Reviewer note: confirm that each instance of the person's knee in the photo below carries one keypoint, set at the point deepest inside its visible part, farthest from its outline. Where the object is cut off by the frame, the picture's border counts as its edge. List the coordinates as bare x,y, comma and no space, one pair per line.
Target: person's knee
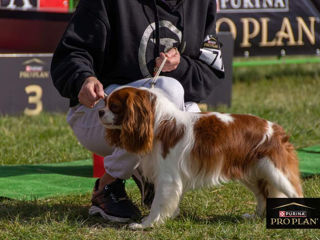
173,89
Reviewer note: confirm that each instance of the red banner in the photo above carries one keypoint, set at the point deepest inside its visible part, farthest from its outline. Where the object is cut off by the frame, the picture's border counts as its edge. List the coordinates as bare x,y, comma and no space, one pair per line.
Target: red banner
38,5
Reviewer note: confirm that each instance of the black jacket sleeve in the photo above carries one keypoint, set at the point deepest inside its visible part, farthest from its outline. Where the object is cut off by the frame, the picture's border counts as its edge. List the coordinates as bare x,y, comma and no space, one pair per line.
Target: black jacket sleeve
199,76
80,52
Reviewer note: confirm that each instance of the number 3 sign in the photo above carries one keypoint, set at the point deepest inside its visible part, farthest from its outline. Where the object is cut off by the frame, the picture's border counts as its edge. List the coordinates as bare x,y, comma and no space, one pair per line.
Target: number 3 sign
26,85
36,99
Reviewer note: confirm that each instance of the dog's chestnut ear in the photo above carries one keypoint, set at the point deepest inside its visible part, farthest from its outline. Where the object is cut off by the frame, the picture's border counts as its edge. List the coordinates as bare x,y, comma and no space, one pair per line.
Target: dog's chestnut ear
137,128
113,137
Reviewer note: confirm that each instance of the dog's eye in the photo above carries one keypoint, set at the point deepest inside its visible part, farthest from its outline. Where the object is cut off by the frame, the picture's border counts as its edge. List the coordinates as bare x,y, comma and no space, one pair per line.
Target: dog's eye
115,108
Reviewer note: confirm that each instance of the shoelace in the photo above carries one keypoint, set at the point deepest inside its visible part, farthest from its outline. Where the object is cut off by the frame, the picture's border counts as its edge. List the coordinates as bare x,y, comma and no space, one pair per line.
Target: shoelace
118,199
114,194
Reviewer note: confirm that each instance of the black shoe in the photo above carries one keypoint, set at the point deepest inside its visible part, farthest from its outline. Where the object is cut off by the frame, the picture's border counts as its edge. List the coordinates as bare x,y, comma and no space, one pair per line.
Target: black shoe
113,203
146,188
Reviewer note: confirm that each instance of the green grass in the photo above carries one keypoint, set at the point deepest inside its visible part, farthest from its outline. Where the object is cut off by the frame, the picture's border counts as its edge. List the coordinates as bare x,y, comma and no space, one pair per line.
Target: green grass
45,138
288,95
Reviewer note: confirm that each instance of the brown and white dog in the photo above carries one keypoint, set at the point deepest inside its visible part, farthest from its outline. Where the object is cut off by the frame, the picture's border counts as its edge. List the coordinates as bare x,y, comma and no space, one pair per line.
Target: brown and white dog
182,150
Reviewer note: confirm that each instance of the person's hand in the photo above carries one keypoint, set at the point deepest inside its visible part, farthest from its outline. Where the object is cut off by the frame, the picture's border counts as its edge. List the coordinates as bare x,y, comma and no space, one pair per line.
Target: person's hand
173,60
91,92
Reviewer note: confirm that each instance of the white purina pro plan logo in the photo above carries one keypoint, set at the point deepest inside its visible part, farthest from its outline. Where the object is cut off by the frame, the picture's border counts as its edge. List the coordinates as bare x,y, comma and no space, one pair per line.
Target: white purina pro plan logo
293,213
167,42
34,68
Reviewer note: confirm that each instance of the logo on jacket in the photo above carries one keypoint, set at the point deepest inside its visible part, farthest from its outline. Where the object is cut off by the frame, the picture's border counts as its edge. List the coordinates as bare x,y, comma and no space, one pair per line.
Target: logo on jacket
173,37
211,53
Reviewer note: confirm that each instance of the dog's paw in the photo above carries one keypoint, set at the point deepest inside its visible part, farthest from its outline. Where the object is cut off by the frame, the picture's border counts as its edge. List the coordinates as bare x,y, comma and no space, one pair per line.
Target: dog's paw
136,226
140,226
176,213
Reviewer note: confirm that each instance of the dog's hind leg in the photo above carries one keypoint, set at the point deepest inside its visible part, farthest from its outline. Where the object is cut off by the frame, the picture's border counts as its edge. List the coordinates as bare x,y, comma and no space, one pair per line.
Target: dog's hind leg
167,197
272,182
259,190
275,193
288,184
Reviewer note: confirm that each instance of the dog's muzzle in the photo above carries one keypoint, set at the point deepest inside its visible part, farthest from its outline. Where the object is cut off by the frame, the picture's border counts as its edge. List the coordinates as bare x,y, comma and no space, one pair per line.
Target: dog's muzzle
104,120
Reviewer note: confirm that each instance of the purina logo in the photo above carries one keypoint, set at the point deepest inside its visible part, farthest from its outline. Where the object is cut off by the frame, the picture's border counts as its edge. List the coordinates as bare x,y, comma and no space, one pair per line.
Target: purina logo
238,6
34,68
297,213
293,213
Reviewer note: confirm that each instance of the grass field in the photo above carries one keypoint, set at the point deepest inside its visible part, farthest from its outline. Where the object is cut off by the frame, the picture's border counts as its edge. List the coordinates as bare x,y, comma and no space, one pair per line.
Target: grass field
288,95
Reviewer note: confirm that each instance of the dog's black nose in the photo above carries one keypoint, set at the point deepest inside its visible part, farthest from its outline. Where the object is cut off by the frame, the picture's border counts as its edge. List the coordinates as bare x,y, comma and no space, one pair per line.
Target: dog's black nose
101,113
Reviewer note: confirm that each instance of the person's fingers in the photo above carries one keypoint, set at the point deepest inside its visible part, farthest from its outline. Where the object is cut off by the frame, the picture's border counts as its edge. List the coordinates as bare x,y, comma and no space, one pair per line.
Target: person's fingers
91,92
82,97
99,90
160,59
95,94
171,53
163,55
85,102
172,62
86,99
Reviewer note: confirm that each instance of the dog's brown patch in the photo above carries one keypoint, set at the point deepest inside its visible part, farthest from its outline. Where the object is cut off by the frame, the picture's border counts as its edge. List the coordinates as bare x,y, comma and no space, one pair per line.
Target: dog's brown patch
230,144
169,133
237,146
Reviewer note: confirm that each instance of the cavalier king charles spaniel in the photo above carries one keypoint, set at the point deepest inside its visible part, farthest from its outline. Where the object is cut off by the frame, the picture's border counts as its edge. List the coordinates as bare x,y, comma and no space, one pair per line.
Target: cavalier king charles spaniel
184,150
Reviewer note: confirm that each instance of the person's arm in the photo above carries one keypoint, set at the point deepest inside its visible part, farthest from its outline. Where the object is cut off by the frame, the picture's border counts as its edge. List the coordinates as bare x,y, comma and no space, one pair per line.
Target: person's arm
200,76
80,52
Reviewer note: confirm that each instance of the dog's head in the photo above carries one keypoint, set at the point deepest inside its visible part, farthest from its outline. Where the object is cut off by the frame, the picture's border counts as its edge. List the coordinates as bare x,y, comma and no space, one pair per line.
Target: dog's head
128,117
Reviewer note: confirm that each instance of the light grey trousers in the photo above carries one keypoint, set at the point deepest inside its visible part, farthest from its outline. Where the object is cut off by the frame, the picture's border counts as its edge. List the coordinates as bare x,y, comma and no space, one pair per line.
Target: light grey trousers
91,134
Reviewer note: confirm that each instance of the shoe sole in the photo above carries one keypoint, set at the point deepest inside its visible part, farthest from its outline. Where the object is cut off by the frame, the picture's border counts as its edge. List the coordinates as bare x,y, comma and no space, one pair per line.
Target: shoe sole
93,210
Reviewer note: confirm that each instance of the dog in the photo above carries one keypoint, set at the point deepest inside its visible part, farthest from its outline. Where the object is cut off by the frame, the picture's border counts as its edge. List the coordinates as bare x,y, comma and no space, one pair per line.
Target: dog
183,150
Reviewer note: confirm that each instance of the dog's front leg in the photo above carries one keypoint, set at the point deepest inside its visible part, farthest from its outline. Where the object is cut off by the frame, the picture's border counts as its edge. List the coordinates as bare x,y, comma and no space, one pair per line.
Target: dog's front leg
166,200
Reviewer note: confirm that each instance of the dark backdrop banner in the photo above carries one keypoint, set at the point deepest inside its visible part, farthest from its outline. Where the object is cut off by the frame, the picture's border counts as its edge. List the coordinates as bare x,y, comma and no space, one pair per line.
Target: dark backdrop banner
271,27
27,86
316,3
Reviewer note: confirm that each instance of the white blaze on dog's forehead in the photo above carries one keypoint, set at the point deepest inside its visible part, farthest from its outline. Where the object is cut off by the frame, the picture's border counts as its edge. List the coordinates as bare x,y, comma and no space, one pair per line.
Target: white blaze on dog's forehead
224,117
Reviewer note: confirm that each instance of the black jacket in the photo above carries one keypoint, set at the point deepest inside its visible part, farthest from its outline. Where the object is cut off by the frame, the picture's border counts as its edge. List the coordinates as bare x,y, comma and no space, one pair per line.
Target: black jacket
118,40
